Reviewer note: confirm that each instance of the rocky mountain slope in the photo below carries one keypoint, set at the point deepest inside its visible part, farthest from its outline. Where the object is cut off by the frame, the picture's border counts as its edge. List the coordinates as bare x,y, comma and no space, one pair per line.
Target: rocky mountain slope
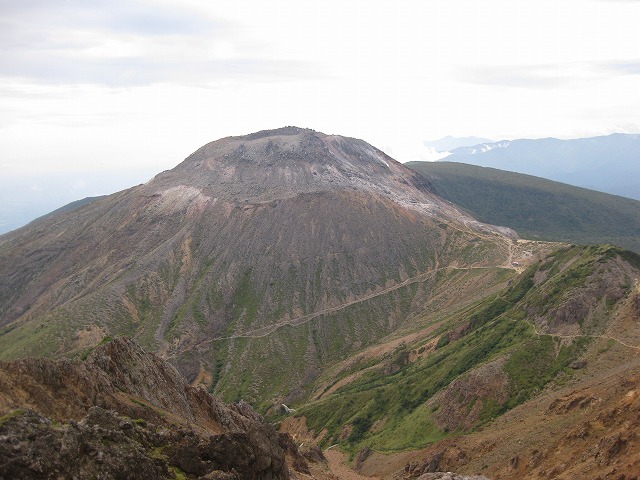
250,265
289,266
125,413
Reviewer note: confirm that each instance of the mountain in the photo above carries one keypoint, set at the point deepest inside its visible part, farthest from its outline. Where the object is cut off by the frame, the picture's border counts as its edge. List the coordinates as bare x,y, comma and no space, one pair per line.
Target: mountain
535,207
251,265
609,163
125,413
448,143
293,267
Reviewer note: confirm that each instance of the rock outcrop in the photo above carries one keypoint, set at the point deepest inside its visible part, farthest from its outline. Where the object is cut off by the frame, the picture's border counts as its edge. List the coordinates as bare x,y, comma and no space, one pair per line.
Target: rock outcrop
125,413
449,476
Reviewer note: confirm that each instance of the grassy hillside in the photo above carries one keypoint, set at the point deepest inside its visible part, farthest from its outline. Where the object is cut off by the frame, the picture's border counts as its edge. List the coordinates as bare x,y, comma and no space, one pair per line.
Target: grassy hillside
535,207
481,361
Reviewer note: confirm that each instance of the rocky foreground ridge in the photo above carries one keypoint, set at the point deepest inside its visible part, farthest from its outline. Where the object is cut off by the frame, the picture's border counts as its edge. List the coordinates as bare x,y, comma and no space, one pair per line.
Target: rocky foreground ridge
125,413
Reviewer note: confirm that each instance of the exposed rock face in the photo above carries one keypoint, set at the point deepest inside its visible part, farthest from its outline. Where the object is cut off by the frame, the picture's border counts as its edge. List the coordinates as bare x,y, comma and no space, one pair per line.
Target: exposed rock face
462,402
175,427
449,476
101,445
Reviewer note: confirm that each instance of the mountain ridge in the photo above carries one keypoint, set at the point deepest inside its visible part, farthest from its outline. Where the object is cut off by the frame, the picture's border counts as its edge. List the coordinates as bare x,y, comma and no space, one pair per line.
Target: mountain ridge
535,207
120,394
606,163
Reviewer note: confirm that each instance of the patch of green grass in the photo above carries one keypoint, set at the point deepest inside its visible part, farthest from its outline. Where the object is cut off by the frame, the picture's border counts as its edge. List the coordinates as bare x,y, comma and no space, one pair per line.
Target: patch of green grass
537,363
5,418
245,301
8,329
178,473
414,432
86,354
138,402
38,338
220,360
196,311
105,340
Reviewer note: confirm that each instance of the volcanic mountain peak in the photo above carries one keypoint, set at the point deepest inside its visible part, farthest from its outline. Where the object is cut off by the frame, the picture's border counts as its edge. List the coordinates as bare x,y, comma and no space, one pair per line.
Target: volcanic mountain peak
293,235
271,165
281,163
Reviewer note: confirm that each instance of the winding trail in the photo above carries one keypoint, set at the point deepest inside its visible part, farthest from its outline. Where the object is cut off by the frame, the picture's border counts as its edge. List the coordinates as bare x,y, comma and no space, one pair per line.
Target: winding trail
267,330
337,465
606,337
261,332
301,320
294,322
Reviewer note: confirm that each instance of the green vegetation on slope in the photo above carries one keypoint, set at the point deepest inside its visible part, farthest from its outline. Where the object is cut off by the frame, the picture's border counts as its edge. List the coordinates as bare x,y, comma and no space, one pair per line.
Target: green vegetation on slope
398,409
535,207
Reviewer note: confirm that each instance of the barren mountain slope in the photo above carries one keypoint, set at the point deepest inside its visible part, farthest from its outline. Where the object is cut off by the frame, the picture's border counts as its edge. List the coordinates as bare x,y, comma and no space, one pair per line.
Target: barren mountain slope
250,265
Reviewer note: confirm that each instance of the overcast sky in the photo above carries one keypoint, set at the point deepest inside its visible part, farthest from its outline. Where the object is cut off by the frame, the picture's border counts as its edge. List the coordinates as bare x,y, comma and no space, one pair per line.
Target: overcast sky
136,86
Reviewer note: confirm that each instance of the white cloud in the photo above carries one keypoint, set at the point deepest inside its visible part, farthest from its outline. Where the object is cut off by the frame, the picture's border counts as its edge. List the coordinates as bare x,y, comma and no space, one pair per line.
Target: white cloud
138,84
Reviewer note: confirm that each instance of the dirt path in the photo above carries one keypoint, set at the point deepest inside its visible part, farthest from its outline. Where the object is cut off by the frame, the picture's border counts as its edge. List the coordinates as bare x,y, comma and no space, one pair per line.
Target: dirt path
337,464
269,329
606,337
374,351
294,322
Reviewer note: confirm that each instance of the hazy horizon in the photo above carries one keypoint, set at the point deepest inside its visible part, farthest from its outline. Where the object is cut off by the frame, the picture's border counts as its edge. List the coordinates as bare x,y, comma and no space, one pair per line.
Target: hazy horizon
26,196
88,91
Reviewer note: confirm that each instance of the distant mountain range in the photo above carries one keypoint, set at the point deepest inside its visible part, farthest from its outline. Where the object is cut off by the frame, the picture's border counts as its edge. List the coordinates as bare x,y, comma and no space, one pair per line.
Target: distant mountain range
608,163
448,143
535,207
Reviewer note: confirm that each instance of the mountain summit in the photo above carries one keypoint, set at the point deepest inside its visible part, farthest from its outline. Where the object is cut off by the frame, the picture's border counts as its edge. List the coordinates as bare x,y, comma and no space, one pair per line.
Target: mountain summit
250,265
272,165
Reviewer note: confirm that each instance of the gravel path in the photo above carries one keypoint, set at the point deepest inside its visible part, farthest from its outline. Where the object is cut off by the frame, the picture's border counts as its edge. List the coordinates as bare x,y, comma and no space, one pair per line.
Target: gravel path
337,465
